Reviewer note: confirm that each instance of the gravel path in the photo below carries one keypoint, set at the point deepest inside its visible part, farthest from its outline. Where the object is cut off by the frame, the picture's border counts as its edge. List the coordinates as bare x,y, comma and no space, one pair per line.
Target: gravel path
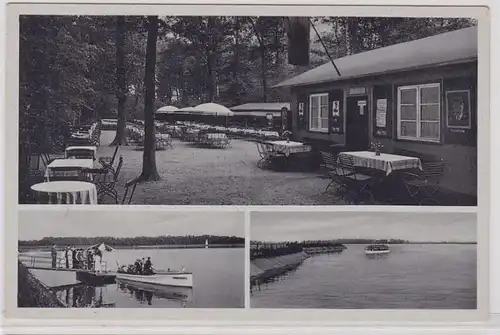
200,176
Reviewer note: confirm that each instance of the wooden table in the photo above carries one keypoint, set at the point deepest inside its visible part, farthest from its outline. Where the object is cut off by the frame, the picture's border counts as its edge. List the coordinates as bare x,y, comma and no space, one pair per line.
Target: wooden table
91,149
383,162
76,163
66,192
288,147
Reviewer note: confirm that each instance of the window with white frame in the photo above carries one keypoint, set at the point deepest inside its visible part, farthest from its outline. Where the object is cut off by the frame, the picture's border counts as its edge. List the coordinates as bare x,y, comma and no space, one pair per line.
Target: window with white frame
419,112
318,112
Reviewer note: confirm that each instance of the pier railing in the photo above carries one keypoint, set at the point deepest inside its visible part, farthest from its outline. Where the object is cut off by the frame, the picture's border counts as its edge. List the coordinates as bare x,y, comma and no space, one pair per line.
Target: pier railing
39,261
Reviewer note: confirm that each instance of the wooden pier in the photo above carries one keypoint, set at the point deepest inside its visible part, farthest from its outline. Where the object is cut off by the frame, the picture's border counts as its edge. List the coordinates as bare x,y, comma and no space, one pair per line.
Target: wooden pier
41,267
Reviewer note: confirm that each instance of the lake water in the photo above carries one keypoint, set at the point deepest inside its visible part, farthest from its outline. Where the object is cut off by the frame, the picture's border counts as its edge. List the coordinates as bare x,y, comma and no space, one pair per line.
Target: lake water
434,276
218,276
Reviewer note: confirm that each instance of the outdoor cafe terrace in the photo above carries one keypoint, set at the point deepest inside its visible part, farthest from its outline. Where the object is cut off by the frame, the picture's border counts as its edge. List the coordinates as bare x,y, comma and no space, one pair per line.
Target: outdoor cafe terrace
201,164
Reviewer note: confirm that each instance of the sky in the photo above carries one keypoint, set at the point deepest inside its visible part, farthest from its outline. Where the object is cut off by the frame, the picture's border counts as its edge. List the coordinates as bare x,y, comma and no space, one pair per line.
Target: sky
35,224
298,226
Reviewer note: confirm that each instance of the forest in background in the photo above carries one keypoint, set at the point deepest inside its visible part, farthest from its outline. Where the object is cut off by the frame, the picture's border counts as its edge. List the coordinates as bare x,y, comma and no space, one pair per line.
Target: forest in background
71,64
342,241
136,241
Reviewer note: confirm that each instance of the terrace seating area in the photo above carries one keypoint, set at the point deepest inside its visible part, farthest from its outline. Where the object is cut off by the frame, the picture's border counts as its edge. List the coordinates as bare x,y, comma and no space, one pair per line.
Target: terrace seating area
207,164
73,176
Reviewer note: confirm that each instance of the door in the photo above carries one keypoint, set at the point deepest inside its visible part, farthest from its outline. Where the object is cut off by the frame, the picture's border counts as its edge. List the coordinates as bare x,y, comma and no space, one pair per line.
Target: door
357,131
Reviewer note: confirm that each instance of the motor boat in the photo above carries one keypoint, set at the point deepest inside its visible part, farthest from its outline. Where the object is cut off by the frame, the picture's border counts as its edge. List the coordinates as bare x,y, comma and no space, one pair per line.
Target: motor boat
161,278
377,249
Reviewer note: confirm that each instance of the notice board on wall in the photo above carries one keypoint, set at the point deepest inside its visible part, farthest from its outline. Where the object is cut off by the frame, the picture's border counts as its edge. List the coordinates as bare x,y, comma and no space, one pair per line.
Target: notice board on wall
382,111
381,117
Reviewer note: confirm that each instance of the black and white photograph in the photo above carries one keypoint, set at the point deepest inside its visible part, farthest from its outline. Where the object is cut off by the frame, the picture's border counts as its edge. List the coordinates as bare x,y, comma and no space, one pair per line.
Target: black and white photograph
364,260
132,259
247,110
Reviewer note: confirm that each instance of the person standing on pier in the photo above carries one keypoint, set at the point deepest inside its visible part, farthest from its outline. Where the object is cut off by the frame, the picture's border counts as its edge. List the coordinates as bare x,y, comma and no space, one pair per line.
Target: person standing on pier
66,256
53,253
90,260
98,259
74,258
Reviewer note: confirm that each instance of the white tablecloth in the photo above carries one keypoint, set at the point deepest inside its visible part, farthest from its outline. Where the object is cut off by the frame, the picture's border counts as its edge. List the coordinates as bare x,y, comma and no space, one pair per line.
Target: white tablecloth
69,163
66,192
216,136
91,148
288,148
383,162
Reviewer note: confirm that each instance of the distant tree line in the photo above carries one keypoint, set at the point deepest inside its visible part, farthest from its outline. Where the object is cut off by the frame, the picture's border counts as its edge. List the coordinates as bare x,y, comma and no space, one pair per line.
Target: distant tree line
342,241
135,241
327,243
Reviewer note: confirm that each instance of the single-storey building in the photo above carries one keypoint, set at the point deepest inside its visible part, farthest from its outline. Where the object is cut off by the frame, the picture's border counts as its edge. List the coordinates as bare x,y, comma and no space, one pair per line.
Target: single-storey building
416,97
272,114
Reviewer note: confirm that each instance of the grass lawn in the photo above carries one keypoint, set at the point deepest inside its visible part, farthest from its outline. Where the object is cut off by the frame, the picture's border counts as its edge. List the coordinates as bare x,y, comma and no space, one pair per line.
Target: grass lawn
199,176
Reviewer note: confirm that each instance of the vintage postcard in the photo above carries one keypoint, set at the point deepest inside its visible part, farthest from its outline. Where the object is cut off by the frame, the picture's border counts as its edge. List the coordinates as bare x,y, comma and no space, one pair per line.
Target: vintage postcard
246,164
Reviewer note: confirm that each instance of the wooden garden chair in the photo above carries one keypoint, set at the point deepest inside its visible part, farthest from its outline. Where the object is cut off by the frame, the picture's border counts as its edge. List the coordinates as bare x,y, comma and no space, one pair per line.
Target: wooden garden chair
356,185
423,185
107,162
106,185
265,155
130,187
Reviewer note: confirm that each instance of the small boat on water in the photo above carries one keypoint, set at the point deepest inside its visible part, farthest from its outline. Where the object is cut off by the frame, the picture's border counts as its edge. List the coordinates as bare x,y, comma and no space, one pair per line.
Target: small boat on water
162,278
377,248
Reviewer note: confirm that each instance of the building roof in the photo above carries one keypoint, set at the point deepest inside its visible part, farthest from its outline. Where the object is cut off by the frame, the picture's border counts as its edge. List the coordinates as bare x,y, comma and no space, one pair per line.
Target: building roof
456,46
261,106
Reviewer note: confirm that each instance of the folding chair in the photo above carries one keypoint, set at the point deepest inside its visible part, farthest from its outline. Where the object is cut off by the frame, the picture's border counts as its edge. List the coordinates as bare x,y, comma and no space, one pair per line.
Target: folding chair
356,184
130,186
265,155
423,185
106,186
107,162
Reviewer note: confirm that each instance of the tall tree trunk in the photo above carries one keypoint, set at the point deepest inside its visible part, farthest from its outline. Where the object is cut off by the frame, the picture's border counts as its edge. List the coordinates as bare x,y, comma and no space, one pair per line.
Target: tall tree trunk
210,78
353,36
263,72
149,171
212,82
263,67
121,82
236,63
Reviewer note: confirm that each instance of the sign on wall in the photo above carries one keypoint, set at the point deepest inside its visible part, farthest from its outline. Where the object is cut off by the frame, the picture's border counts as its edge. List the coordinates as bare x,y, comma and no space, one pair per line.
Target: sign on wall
357,91
362,105
301,117
336,123
381,113
301,109
458,109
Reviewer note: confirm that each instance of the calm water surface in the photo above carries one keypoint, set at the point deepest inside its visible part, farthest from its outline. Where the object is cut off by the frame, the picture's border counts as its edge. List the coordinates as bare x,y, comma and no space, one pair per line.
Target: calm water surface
218,276
411,276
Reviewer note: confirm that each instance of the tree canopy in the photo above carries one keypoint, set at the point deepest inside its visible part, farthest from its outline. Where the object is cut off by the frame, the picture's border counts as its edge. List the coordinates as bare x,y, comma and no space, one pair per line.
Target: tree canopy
68,64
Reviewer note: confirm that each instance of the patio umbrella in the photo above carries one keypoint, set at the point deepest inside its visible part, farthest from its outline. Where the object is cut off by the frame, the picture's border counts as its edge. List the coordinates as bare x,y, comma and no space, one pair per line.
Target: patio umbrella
101,247
216,110
167,109
187,110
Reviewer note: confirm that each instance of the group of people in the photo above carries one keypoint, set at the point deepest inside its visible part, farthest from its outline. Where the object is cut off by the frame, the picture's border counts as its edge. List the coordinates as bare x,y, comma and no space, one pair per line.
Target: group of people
141,266
78,258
